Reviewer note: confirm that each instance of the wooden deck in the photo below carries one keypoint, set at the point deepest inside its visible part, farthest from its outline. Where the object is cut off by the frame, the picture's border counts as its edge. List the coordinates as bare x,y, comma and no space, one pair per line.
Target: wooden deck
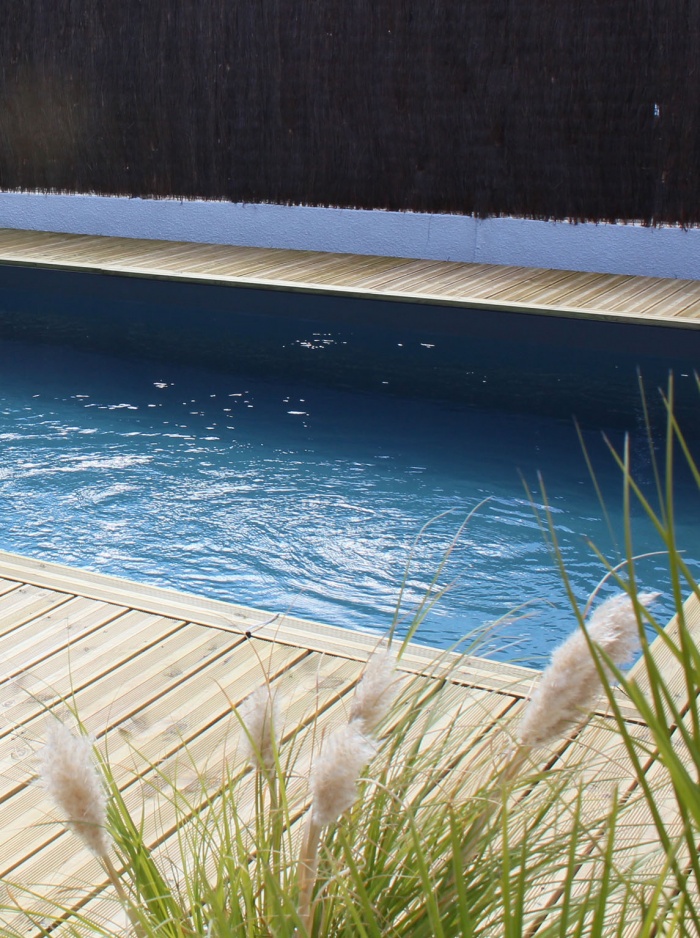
155,671
562,293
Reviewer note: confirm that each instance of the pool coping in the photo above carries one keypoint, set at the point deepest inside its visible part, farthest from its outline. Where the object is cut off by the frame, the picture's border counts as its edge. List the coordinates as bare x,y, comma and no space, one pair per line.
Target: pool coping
278,627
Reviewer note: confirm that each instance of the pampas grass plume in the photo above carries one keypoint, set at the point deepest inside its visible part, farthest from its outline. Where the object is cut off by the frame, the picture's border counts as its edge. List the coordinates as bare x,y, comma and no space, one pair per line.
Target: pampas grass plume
260,715
375,692
71,777
333,784
571,683
613,626
335,773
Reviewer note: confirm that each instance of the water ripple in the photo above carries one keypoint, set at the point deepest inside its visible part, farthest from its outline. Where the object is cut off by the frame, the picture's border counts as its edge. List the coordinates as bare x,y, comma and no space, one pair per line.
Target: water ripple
316,516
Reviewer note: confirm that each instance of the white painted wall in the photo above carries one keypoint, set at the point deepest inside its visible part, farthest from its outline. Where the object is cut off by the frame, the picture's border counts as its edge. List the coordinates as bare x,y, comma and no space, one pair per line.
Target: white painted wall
628,249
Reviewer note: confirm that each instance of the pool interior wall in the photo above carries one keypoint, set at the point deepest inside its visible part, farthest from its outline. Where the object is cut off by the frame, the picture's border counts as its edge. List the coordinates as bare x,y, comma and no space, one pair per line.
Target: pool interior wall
452,354
284,449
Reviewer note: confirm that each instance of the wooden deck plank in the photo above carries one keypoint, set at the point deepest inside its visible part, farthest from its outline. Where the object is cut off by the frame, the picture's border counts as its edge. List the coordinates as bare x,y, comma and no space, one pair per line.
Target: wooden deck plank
563,288
691,312
589,293
21,605
455,279
400,277
7,585
528,290
668,664
654,297
537,285
498,279
673,305
458,280
643,290
44,245
58,679
566,292
602,771
53,632
640,839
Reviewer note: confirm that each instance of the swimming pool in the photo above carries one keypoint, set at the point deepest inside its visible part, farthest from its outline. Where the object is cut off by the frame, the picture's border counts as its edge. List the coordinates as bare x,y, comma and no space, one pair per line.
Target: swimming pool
283,451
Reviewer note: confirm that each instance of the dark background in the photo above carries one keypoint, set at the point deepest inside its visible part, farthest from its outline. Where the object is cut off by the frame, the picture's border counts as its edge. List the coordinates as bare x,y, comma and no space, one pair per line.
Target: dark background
564,109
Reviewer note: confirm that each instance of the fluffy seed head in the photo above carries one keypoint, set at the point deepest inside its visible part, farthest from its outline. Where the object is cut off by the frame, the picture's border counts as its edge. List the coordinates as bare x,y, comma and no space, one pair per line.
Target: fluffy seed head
613,626
376,691
261,718
569,686
70,776
335,772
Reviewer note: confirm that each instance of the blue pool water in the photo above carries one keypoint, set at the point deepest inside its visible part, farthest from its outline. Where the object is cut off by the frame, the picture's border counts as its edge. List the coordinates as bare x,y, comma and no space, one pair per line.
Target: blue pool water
302,487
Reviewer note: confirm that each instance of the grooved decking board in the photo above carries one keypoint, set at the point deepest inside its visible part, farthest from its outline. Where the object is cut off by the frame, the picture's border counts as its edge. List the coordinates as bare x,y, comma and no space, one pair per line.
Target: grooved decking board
154,675
492,675
614,297
666,661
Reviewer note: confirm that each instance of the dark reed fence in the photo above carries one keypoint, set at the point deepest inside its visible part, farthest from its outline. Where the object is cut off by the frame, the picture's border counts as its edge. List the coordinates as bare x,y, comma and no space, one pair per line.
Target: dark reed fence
526,107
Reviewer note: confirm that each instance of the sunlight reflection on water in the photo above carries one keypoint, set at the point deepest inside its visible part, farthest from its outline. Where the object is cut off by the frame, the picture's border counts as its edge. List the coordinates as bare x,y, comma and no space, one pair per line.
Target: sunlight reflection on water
301,498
